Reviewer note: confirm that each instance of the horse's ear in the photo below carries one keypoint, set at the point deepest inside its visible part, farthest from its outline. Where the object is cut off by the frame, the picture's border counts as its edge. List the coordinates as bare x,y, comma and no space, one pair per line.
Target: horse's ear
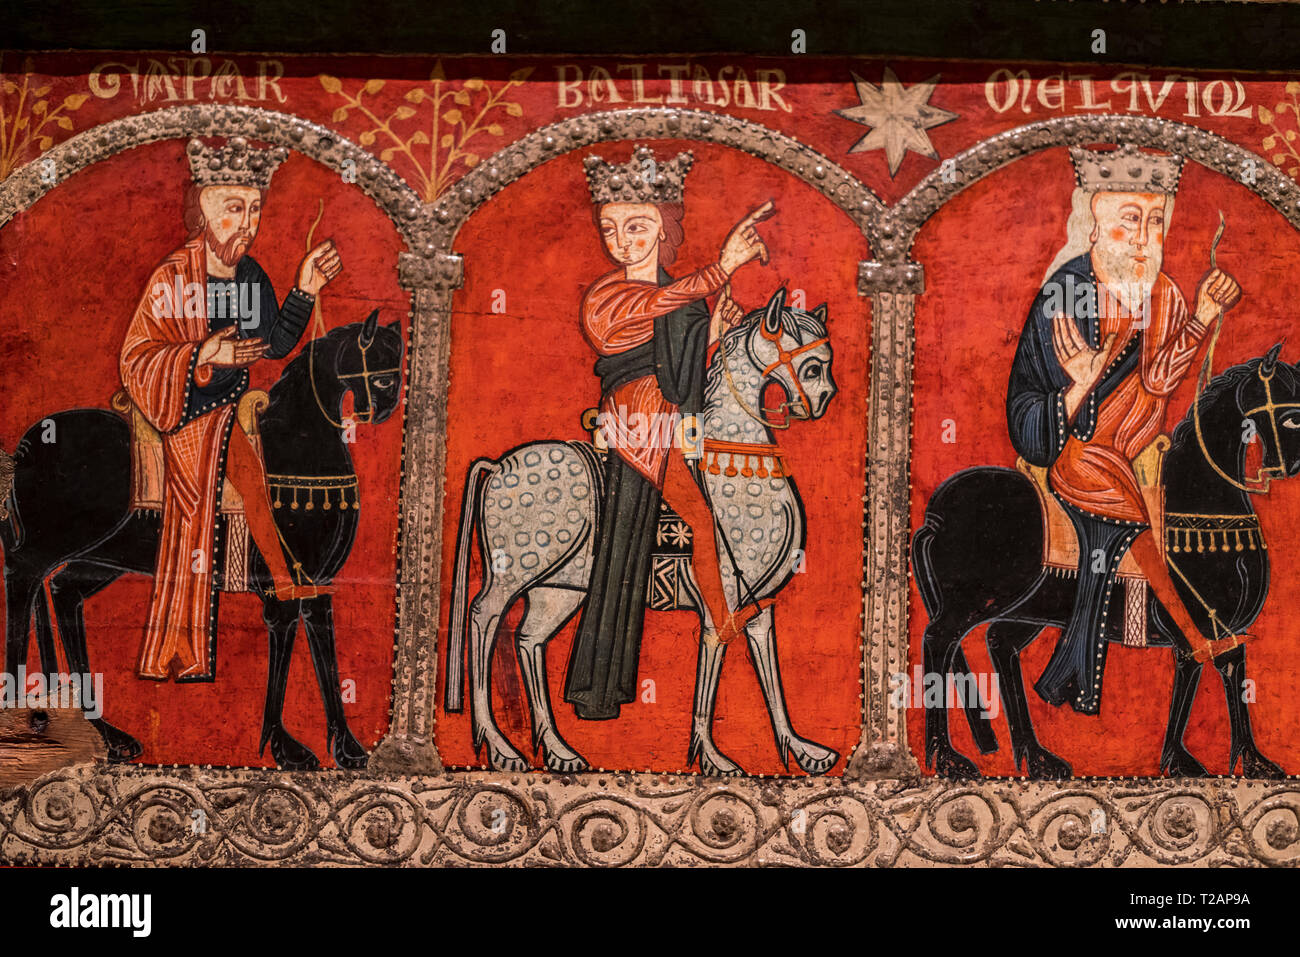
395,325
820,313
1267,364
367,334
772,315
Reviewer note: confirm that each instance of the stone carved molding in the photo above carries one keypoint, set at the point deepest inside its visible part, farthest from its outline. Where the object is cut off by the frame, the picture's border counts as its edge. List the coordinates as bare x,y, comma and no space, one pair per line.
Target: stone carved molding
213,817
93,814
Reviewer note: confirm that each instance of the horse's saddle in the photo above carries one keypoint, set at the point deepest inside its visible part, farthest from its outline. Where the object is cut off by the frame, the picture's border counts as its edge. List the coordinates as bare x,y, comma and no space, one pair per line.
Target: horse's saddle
148,468
147,464
670,558
1061,542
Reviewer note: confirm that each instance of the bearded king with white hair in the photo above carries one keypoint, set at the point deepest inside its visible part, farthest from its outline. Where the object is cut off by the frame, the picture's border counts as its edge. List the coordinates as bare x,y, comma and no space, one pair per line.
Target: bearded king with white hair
1107,341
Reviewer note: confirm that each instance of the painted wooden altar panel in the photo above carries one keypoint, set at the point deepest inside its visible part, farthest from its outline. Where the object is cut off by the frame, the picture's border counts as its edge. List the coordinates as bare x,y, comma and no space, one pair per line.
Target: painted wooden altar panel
74,265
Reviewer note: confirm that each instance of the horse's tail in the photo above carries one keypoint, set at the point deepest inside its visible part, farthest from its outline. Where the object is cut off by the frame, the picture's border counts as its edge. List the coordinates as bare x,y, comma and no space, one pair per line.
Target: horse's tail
454,683
923,565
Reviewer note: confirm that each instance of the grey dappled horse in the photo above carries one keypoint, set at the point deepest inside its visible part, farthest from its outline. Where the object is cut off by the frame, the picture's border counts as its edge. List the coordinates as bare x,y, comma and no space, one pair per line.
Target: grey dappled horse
536,507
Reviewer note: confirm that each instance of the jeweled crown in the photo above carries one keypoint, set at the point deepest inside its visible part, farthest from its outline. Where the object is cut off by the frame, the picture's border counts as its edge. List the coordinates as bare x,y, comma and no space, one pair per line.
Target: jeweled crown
642,179
1126,170
235,164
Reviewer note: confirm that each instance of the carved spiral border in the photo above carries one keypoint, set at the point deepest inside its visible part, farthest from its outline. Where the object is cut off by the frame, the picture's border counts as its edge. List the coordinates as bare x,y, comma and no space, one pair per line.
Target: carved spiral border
140,815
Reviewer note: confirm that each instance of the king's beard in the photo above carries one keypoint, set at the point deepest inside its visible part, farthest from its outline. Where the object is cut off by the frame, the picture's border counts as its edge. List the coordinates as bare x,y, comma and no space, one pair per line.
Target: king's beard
232,250
1130,282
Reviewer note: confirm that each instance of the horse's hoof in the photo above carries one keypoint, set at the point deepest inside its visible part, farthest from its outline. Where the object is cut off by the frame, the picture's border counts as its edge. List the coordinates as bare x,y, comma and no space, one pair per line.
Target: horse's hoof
510,760
1181,764
565,765
560,758
724,767
289,753
1255,765
348,753
812,757
950,763
1043,765
121,746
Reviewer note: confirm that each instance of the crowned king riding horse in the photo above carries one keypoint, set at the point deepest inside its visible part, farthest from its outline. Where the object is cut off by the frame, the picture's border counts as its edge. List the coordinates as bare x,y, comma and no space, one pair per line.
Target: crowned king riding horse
536,510
69,518
978,558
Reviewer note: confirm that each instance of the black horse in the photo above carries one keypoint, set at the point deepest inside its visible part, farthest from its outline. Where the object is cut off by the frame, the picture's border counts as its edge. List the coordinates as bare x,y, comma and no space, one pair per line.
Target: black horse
978,558
70,506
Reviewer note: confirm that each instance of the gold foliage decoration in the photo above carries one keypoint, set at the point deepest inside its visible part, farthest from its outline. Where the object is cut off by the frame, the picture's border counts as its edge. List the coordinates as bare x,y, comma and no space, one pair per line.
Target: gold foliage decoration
432,128
28,118
1281,143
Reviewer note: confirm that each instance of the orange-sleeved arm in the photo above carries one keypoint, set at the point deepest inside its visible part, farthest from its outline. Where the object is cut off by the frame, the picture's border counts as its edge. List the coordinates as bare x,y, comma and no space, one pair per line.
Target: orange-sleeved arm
1179,341
619,313
157,360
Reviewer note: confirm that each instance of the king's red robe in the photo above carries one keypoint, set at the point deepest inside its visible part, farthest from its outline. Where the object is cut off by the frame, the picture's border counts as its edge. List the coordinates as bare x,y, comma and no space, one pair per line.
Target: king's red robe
619,314
158,367
1096,473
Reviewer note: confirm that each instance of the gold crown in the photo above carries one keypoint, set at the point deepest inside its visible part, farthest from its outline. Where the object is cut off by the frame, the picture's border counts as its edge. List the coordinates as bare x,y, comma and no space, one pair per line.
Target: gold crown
1126,170
235,164
641,179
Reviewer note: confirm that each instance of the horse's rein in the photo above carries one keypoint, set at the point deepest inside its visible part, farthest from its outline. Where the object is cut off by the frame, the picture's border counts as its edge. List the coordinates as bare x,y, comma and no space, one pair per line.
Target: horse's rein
1263,478
318,331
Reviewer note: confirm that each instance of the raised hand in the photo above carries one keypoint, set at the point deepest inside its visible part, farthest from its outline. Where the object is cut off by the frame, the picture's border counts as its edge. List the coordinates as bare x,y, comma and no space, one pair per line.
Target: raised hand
1217,293
318,267
743,242
227,350
1081,362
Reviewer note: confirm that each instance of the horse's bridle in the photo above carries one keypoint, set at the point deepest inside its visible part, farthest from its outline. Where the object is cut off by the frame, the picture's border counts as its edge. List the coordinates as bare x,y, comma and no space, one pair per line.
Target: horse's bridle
1258,483
365,374
1266,472
784,359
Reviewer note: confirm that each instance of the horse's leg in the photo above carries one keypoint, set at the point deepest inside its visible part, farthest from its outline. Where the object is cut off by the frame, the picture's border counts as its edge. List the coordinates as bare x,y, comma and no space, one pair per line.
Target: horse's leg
318,619
485,614
708,670
810,756
1232,672
1006,639
1175,760
45,634
69,590
939,647
281,619
21,589
546,611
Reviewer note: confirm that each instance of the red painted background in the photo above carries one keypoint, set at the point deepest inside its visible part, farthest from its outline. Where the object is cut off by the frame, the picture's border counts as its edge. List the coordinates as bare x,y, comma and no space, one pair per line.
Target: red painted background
968,322
72,269
526,374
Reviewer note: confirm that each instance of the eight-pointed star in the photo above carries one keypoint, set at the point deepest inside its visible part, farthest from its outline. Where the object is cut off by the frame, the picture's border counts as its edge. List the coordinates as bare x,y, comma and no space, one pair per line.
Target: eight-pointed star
898,118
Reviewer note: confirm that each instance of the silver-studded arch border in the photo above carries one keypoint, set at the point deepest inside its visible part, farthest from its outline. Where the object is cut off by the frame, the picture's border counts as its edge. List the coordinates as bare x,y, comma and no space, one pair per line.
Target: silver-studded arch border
422,272
394,197
894,282
496,172
416,674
